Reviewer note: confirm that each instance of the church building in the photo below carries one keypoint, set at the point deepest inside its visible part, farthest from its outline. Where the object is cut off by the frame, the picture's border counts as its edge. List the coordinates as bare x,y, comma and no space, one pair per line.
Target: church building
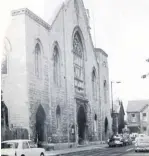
55,82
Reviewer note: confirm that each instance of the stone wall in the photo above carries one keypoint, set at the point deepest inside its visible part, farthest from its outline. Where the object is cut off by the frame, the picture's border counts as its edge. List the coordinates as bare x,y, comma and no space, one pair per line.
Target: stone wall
44,92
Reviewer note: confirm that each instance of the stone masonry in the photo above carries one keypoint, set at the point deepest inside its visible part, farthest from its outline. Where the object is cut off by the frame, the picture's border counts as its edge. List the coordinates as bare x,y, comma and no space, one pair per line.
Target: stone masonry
24,93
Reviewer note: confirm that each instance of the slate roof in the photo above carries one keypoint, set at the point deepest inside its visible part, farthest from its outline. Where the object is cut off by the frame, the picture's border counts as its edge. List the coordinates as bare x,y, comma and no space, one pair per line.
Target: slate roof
137,105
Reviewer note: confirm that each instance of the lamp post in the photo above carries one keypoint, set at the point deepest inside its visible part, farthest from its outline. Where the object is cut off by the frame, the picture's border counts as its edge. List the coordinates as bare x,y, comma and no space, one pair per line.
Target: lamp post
112,113
112,92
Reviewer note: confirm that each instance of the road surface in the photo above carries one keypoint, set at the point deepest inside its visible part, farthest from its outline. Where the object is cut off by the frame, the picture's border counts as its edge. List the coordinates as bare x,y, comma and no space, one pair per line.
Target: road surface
114,151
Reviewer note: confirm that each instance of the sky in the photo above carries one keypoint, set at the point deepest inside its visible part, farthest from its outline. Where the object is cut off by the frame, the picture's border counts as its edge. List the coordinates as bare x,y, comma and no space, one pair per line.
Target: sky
119,27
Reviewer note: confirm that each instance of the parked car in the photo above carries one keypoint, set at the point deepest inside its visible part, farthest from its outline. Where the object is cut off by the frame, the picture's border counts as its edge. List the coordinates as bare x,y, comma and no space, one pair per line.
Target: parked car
20,147
142,144
115,141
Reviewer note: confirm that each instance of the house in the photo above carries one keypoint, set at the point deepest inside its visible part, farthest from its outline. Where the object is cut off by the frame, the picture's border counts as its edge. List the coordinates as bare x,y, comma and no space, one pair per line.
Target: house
118,116
55,82
138,116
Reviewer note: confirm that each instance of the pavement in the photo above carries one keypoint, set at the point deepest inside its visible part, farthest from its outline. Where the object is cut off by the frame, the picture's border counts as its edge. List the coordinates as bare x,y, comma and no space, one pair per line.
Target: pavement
73,151
133,153
98,150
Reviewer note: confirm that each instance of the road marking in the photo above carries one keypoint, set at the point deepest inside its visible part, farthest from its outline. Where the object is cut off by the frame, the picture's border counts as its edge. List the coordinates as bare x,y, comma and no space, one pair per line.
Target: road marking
129,149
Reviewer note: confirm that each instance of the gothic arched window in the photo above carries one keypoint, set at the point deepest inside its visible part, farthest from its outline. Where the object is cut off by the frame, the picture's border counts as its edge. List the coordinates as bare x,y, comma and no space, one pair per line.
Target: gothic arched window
38,60
95,123
6,50
56,70
58,117
78,57
94,85
105,91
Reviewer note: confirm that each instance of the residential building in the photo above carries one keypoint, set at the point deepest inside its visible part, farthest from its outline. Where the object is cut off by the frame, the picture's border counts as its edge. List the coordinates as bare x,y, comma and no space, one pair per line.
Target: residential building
138,116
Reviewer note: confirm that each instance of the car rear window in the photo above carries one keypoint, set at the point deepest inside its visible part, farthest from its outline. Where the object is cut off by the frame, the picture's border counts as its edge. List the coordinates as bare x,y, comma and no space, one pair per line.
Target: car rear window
117,139
11,145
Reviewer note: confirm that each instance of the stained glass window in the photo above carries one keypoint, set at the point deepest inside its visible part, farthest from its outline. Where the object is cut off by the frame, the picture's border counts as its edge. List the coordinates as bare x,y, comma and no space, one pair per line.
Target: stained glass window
94,85
6,50
105,91
78,64
37,60
56,70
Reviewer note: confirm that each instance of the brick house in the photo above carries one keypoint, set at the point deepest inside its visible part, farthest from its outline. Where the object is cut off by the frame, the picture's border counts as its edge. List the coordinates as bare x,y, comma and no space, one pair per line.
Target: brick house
55,82
138,116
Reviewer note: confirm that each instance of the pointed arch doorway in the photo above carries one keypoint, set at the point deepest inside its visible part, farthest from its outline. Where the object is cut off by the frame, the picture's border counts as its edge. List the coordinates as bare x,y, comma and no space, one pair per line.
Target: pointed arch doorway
40,124
81,120
106,128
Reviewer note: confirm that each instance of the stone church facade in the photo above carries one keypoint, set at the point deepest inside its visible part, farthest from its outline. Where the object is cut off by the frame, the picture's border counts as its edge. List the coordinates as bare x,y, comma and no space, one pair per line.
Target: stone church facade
55,82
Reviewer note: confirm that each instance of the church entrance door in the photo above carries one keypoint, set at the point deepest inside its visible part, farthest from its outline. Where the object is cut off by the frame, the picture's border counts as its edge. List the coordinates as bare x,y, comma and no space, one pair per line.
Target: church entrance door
81,120
40,120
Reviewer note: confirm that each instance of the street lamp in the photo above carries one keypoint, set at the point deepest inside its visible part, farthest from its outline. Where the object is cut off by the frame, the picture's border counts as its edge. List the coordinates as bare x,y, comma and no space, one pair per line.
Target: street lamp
112,113
144,76
112,93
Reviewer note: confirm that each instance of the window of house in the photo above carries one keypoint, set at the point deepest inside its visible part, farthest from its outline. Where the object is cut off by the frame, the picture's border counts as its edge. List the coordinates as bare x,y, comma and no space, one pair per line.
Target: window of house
78,59
58,117
105,91
133,117
56,71
144,128
37,60
144,116
94,85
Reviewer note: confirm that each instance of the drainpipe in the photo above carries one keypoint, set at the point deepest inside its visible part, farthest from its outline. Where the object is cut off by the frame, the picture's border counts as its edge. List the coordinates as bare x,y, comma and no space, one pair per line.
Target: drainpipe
65,69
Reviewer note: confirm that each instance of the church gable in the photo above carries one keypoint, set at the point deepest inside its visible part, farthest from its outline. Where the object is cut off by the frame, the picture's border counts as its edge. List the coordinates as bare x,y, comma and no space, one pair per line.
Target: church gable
74,14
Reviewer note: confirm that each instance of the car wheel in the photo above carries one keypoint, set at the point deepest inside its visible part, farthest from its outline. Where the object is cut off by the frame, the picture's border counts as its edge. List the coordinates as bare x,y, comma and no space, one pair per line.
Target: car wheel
136,151
41,154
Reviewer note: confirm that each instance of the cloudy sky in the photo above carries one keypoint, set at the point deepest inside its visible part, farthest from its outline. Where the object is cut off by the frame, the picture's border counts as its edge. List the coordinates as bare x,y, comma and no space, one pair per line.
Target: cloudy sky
119,27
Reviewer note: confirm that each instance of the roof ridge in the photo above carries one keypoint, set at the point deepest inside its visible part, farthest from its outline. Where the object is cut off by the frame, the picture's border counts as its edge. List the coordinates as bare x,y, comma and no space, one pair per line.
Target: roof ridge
136,105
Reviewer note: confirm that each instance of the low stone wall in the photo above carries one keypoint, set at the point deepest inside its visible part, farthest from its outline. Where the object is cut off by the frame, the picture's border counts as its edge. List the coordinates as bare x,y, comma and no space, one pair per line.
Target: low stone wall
15,133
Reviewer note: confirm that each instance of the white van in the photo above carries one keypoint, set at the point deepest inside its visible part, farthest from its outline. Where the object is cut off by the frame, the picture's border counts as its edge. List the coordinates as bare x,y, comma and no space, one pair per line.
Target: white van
142,144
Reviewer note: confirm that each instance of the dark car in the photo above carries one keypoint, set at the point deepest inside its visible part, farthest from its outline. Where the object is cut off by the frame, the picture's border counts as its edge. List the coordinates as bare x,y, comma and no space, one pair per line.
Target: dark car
115,141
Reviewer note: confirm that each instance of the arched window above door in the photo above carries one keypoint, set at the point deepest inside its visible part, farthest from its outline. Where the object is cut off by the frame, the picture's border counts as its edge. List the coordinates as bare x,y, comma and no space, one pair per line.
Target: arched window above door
78,60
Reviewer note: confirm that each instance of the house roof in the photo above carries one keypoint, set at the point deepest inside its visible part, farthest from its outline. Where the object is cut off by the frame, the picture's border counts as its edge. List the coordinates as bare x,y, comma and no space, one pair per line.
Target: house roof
137,105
